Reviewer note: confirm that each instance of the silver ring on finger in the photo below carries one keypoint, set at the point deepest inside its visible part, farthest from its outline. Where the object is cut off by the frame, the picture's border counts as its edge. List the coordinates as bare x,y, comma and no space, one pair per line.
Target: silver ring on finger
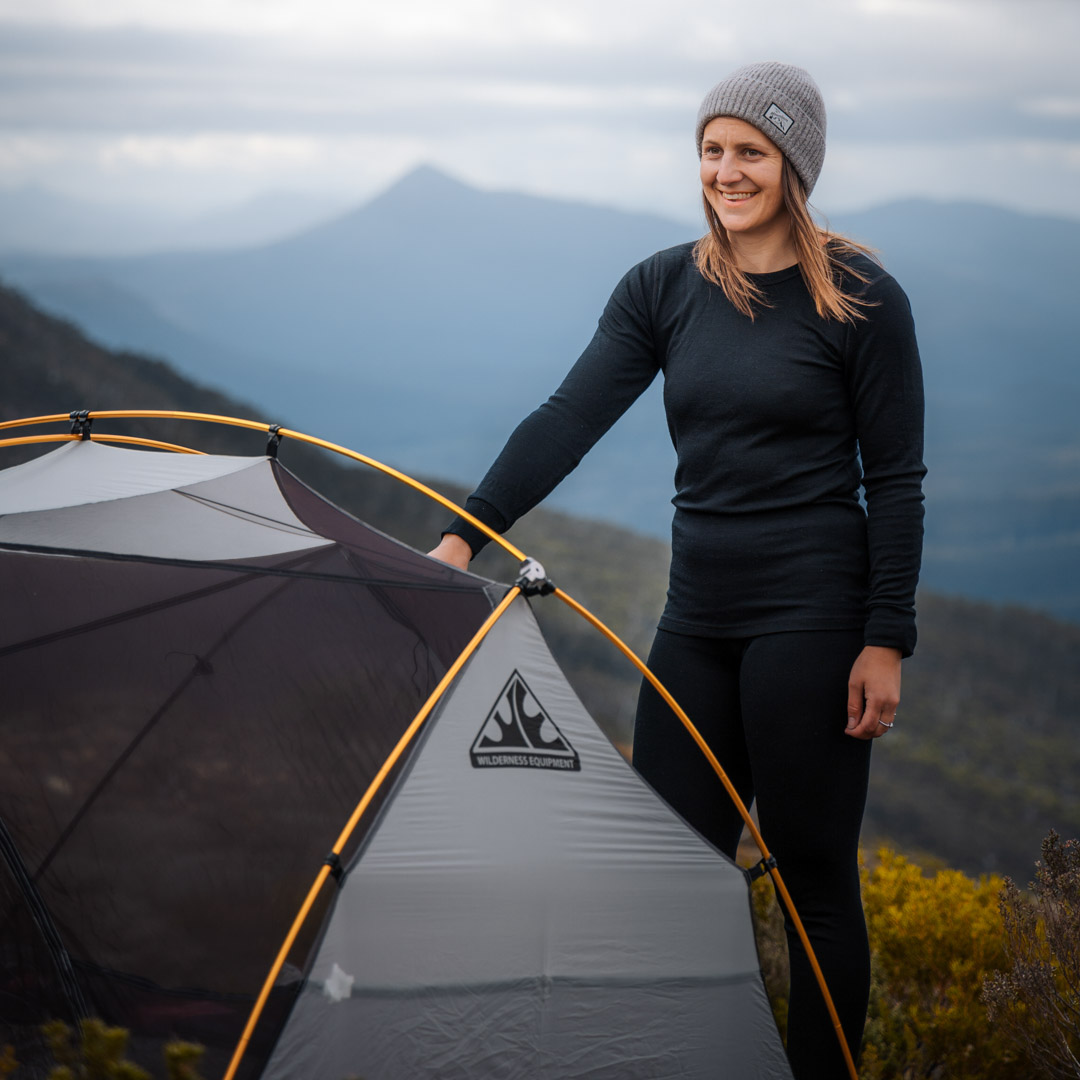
886,725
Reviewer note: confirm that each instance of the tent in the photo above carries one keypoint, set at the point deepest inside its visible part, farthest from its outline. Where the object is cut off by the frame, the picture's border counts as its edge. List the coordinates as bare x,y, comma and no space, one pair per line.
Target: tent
259,794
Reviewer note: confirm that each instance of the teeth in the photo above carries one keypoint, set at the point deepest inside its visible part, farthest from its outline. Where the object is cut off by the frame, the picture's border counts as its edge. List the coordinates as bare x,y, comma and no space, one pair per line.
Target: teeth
738,196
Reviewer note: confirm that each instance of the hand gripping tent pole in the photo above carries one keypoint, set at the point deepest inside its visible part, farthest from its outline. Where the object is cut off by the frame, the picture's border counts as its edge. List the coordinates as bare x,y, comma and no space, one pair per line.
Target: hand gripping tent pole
81,429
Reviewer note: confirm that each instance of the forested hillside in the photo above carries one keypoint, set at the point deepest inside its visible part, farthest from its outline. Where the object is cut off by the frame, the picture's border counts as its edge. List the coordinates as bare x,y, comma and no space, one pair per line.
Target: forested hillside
984,761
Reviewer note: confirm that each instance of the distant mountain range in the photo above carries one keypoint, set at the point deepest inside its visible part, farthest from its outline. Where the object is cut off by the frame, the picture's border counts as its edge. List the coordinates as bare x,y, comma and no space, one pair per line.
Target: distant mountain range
423,325
985,759
35,219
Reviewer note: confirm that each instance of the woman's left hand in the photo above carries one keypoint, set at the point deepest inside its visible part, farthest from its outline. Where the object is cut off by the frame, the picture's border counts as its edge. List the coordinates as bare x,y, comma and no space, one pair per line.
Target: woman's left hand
873,692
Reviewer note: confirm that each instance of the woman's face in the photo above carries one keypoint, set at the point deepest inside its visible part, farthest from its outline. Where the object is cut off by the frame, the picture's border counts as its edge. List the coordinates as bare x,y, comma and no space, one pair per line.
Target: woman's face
741,173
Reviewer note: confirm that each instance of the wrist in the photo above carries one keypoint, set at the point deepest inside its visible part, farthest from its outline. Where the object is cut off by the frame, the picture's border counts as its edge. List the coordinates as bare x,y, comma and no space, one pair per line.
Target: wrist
456,546
885,650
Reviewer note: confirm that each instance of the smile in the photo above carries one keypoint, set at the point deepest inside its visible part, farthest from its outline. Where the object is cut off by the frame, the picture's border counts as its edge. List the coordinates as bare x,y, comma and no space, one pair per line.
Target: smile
737,196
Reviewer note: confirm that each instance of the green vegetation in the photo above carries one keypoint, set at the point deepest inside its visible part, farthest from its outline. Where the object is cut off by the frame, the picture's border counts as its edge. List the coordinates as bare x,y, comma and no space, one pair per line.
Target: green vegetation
772,948
182,1060
985,760
972,979
1036,1001
933,939
98,1052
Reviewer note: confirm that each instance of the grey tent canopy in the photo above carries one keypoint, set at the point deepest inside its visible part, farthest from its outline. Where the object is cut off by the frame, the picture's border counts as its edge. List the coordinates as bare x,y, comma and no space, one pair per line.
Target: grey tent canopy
203,665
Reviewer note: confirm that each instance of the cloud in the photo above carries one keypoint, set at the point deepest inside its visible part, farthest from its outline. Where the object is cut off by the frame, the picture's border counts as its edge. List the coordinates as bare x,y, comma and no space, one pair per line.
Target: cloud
214,152
1056,107
859,174
520,90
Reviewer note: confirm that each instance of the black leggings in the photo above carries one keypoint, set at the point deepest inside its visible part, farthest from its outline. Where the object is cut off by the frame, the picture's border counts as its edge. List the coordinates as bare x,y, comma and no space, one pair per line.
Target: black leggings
773,710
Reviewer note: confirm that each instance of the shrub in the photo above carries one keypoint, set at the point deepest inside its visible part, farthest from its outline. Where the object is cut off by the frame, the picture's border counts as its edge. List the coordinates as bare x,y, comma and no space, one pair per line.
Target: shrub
772,948
98,1054
1037,1000
182,1060
933,940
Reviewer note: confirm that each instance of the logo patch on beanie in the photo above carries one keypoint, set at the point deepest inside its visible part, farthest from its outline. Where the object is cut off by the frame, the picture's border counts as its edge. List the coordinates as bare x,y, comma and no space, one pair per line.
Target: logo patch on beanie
778,118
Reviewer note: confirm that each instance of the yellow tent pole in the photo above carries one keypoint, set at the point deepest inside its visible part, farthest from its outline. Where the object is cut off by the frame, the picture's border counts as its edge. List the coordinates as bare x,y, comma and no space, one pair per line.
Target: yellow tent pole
404,478
774,872
133,440
431,493
28,421
137,414
255,425
357,814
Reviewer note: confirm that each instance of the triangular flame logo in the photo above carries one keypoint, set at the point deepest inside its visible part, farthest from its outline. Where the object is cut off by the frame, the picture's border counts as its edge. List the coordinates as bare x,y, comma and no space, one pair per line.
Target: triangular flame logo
518,733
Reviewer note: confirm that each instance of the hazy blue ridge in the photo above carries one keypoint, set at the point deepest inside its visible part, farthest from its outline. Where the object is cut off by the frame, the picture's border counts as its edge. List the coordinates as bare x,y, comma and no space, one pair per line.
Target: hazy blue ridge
35,219
424,324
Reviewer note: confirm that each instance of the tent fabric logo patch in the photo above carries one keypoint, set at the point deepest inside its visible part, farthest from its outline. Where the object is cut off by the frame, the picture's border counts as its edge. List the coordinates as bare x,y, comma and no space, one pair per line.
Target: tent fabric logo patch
518,733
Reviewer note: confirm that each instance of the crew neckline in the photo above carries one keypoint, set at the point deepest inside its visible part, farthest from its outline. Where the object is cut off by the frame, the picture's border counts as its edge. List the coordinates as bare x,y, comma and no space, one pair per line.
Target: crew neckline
772,276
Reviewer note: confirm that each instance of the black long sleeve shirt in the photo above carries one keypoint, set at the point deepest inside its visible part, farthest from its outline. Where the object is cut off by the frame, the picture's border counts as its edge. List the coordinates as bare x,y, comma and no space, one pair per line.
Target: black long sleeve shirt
770,419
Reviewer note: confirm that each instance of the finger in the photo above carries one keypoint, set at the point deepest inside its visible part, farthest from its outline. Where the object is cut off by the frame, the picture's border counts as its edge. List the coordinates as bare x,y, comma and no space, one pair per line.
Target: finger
865,731
886,722
885,718
870,727
854,705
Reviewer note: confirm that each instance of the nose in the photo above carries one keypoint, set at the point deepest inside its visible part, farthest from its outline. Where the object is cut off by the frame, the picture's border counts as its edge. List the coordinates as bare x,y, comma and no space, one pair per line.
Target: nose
727,170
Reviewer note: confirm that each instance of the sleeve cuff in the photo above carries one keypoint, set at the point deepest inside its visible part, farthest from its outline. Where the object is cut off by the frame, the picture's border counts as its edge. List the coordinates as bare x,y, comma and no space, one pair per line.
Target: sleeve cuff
891,628
468,532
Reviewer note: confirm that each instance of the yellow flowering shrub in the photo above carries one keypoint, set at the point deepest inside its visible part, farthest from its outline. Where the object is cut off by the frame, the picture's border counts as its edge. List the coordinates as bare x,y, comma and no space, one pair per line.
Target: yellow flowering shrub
95,1051
933,939
772,948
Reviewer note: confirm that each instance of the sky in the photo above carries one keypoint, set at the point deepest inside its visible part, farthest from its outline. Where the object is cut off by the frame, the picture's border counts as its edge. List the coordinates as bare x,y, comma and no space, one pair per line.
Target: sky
201,103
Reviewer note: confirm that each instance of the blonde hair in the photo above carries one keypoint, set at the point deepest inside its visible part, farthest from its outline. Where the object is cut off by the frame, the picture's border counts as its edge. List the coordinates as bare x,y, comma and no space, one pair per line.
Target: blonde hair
819,253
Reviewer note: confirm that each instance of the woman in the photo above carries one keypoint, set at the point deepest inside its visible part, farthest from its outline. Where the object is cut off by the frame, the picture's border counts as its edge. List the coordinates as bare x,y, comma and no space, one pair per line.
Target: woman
789,360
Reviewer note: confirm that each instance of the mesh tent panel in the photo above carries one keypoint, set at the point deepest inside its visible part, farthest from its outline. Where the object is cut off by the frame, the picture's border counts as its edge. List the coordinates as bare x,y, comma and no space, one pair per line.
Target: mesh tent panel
184,744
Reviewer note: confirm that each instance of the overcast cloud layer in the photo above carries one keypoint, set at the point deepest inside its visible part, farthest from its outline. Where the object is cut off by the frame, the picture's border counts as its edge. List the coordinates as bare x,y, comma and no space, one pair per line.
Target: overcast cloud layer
212,100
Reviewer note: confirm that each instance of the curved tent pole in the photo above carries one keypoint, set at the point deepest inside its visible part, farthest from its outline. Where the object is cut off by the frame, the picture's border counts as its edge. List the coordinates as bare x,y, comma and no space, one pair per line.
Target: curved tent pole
133,440
333,863
768,862
233,421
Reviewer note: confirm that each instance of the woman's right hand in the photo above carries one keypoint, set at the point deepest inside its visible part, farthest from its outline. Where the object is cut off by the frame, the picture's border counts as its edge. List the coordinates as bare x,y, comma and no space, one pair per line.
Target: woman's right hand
453,550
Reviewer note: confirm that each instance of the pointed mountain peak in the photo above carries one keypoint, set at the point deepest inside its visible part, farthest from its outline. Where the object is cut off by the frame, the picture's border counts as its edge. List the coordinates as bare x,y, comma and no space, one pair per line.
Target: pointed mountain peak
425,182
425,175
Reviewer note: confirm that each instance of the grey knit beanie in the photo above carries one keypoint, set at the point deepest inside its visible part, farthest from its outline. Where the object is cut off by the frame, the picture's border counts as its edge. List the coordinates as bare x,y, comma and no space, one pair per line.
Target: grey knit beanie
783,102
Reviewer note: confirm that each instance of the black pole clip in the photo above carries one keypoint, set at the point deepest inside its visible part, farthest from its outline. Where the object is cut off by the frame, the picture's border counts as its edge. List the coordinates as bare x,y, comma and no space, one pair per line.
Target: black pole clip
273,441
333,860
761,868
80,423
533,579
